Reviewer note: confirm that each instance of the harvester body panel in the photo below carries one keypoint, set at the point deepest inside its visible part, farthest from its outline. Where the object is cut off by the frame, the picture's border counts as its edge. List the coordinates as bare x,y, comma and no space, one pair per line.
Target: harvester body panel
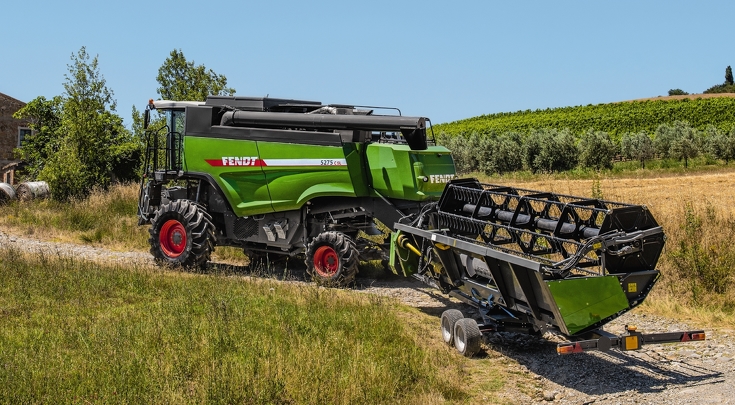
236,167
418,175
585,301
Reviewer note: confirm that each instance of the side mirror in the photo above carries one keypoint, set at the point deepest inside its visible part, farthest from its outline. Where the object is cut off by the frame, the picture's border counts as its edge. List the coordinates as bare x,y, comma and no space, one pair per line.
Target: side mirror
146,118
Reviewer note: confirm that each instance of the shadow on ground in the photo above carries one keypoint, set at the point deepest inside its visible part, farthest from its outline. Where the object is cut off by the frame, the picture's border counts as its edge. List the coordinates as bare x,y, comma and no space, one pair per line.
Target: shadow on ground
599,373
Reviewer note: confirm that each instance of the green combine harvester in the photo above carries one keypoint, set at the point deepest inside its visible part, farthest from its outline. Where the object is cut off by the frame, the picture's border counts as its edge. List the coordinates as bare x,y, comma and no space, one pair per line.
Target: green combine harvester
300,179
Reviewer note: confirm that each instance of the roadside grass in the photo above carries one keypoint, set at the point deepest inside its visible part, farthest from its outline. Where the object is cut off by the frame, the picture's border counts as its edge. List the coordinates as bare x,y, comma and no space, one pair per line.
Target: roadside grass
107,218
79,332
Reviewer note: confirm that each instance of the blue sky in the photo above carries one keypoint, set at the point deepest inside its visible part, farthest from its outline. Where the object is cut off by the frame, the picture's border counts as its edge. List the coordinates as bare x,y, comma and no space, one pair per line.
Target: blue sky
439,59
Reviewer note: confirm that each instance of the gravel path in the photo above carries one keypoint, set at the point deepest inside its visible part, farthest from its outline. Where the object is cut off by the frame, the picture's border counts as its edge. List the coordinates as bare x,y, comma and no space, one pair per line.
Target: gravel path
690,373
693,373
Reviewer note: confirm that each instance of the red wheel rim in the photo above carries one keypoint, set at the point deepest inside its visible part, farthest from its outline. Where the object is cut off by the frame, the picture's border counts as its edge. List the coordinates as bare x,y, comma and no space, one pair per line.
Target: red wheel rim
326,261
172,238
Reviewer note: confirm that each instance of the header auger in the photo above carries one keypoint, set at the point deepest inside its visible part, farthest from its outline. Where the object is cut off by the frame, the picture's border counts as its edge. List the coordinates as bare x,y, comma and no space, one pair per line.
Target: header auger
304,180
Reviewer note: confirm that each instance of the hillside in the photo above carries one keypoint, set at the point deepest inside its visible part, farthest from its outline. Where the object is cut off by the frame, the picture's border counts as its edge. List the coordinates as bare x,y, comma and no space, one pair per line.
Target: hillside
689,96
616,119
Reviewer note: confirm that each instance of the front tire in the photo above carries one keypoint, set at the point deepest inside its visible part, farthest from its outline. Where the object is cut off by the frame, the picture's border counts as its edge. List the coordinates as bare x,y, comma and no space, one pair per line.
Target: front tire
332,259
181,235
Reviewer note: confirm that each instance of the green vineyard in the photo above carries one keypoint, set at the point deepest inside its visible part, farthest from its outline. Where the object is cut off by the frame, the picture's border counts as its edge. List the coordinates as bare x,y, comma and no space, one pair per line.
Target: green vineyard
616,118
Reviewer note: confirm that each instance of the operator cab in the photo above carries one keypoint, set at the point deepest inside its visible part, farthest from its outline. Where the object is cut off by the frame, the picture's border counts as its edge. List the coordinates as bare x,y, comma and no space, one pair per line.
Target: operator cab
168,160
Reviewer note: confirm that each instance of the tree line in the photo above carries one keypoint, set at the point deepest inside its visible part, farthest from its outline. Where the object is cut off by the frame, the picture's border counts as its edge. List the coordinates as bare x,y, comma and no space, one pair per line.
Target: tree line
548,150
727,87
78,140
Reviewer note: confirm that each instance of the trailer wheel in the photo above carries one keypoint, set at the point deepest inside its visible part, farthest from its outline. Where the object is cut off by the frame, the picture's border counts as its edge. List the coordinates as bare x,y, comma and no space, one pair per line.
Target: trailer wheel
331,259
181,235
467,337
449,319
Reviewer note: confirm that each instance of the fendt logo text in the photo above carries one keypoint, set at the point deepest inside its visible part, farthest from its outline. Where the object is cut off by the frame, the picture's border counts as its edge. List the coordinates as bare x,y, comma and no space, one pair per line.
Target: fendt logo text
239,161
236,161
441,178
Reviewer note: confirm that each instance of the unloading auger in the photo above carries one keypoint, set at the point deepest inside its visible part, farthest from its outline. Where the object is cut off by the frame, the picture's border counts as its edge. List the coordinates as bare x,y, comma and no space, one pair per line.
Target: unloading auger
532,261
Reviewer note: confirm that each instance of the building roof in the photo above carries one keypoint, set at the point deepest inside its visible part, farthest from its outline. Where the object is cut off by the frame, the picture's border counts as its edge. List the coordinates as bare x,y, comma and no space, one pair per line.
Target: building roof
12,98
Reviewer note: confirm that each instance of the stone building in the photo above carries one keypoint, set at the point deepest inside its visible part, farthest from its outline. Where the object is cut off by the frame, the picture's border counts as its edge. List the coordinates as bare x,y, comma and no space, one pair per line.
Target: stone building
12,132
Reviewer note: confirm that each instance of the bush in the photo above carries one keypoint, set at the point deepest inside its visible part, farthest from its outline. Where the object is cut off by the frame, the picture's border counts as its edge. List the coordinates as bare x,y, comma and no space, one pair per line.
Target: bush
65,174
549,150
596,150
508,153
637,146
705,259
470,152
719,144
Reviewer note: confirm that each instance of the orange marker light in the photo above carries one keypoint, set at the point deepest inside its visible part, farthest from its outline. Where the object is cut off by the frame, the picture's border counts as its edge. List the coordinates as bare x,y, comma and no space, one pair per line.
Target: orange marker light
698,336
569,349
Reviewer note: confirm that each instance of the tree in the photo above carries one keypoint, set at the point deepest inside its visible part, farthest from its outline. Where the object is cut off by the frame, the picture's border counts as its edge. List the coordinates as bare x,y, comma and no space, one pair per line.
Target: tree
183,80
596,150
44,117
677,92
470,152
720,144
550,150
90,143
663,137
507,153
685,144
638,146
727,87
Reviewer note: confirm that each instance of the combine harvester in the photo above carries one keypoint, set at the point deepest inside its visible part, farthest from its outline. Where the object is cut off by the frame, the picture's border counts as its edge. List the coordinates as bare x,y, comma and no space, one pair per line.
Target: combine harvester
300,179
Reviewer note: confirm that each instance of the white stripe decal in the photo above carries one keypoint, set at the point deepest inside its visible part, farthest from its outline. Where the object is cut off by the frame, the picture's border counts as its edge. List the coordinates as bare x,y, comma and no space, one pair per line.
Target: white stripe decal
305,162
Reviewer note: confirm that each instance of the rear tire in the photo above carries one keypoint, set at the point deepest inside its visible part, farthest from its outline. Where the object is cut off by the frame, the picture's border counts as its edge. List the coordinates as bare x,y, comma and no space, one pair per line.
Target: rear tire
332,259
182,235
449,319
467,337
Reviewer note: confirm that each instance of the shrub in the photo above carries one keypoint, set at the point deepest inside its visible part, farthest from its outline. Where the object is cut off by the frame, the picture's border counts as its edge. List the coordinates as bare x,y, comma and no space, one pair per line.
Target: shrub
596,150
549,150
637,146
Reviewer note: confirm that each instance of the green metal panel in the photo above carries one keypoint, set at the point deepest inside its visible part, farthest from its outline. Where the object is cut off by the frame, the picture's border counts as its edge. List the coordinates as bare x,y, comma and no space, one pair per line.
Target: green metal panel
297,173
585,301
260,177
236,168
397,171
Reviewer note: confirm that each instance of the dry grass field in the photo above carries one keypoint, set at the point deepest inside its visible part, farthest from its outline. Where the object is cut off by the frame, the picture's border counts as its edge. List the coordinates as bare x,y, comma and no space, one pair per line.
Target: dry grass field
664,196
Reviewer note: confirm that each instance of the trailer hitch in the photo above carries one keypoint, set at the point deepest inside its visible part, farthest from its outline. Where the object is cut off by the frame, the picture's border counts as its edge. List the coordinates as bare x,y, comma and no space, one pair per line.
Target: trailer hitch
631,340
